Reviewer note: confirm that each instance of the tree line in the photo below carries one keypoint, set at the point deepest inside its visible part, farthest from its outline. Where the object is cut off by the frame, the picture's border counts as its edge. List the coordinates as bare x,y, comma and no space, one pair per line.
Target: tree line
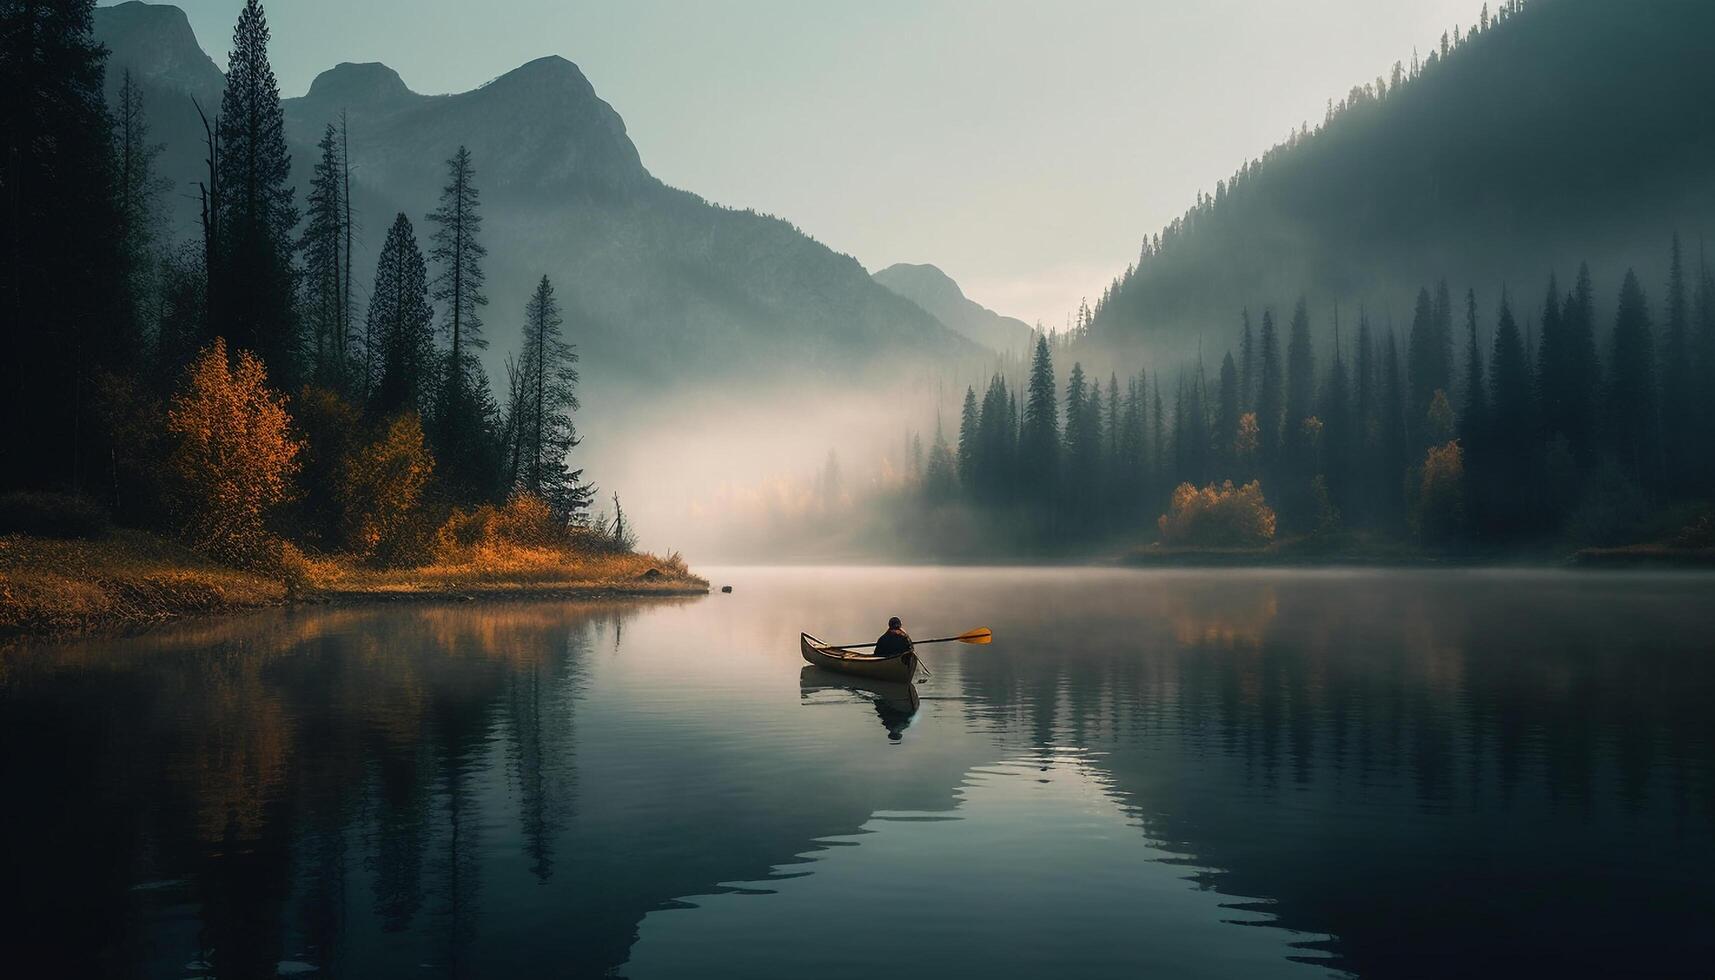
1481,425
105,322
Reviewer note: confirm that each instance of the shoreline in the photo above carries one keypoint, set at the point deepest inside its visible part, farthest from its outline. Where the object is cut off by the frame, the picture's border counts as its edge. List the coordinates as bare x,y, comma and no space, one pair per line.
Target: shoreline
129,581
130,625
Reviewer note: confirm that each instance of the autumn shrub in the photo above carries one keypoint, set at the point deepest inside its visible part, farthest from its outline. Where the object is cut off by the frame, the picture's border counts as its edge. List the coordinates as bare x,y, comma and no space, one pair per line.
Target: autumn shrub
1223,516
1438,504
524,529
380,494
234,456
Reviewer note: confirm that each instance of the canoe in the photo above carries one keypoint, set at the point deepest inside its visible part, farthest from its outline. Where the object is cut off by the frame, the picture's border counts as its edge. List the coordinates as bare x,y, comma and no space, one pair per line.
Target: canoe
852,662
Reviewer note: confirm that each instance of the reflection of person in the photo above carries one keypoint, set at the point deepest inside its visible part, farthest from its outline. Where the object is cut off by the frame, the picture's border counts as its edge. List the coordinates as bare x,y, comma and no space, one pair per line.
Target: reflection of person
895,642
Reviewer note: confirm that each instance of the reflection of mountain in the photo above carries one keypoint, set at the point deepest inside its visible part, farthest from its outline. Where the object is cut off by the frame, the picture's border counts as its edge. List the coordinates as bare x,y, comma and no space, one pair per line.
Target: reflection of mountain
658,283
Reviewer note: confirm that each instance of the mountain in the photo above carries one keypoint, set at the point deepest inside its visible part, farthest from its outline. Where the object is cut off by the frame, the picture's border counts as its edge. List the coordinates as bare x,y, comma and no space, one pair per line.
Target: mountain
937,293
1567,130
659,286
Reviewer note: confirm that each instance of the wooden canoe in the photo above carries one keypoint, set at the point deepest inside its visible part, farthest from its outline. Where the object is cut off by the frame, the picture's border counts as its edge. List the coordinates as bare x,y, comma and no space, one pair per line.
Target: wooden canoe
900,669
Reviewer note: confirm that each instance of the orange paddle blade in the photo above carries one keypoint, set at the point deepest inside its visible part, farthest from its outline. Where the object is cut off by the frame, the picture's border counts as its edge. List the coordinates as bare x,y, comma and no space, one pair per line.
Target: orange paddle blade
981,634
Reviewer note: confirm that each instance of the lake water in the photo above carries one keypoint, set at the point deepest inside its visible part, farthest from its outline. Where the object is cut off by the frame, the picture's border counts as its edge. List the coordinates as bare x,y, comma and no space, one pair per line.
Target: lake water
1220,774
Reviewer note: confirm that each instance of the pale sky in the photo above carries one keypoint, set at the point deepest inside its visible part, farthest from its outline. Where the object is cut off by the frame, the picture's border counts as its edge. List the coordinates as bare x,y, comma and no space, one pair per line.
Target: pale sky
1024,147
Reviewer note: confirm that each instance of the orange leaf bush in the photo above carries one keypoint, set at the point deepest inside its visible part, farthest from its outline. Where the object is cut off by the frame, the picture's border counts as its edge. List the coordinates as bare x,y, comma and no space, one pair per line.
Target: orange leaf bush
234,457
381,490
1222,516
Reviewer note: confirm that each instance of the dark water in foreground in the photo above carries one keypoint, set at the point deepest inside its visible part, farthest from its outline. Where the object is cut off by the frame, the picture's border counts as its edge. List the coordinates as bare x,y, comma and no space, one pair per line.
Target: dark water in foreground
1220,774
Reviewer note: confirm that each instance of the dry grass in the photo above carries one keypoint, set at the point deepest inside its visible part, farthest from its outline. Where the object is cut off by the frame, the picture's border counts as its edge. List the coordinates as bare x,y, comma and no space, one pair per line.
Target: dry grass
508,568
124,579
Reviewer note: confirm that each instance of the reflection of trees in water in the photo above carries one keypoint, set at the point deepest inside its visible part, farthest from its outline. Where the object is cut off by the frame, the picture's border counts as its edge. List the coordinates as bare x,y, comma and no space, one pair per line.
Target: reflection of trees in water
1389,761
201,759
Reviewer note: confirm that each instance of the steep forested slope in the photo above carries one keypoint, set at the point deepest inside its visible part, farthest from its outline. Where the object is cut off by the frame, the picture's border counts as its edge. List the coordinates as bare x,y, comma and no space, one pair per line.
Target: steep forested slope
1567,130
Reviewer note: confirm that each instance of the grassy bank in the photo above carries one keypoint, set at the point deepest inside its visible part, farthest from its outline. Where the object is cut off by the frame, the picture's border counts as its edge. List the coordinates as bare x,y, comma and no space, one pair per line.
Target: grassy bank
127,579
122,579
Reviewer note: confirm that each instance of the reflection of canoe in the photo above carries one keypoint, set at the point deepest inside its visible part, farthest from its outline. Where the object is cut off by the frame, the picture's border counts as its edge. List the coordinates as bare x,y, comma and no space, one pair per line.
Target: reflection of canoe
896,702
867,665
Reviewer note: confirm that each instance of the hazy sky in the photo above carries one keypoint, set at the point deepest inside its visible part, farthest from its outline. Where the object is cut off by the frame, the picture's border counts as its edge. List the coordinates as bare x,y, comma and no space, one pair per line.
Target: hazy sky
1024,147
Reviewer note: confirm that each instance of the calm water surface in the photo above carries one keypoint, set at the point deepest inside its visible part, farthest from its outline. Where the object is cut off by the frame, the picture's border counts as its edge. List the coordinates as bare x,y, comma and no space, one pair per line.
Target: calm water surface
1221,774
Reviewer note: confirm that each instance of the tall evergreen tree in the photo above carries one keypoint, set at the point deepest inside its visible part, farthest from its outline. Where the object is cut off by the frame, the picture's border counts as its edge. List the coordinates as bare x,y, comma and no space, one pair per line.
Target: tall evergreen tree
254,284
138,189
458,253
1679,408
545,434
1568,375
1271,391
1039,440
1429,371
1227,417
323,249
399,337
61,296
1631,403
461,430
1247,365
1335,411
1511,430
1473,420
1300,371
968,427
1395,439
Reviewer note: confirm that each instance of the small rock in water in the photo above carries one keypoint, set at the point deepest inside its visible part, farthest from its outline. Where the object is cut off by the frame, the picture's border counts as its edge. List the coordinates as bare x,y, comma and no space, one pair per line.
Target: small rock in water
726,588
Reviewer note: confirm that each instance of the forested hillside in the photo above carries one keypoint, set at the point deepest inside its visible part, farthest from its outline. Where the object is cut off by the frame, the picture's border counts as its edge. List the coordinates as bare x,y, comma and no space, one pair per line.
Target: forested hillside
1543,136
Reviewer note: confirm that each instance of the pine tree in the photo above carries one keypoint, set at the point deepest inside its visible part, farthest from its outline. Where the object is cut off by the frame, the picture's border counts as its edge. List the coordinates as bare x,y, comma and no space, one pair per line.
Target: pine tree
61,296
1335,412
1568,375
1428,372
254,288
1247,365
1631,406
1395,439
461,432
1679,406
1474,418
398,334
1508,500
545,432
1300,371
1270,398
968,427
940,479
1039,439
1227,418
138,188
323,249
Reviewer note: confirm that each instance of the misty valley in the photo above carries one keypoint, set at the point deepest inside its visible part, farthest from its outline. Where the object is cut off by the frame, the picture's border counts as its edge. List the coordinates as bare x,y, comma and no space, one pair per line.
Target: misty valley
435,542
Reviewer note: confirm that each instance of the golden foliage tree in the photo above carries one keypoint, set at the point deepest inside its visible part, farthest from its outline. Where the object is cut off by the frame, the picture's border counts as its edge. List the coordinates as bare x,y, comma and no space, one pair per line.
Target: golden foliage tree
381,488
1218,516
234,456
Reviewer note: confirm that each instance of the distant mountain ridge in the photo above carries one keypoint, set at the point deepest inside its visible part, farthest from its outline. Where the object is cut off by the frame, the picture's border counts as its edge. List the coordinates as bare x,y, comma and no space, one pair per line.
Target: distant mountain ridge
659,286
936,292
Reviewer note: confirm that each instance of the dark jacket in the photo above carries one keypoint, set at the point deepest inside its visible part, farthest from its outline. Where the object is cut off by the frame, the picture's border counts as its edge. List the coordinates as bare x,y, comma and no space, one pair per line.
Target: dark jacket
894,643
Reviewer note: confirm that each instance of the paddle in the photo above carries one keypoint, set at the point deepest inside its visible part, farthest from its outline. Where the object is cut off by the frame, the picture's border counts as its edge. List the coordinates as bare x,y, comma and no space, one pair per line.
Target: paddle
982,635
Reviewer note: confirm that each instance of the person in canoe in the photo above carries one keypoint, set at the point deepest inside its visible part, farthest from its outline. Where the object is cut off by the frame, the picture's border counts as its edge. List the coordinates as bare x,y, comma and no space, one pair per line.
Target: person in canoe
895,642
